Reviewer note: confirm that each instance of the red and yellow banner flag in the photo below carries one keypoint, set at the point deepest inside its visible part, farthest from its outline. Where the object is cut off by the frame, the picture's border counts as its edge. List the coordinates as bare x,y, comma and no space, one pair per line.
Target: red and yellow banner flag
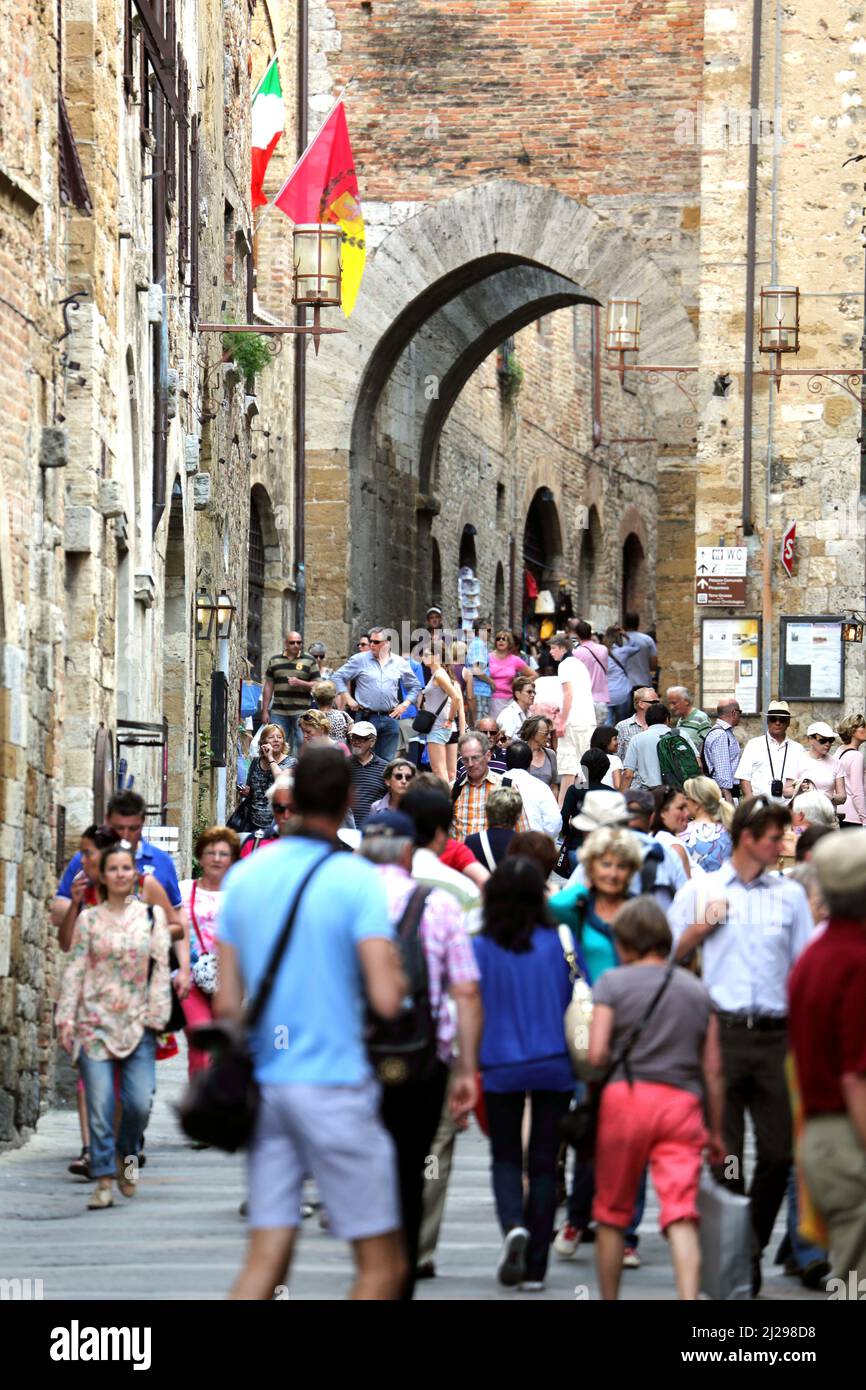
323,188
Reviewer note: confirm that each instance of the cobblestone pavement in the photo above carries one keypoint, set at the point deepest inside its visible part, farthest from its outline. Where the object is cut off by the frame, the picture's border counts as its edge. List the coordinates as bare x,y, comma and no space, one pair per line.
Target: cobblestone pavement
182,1237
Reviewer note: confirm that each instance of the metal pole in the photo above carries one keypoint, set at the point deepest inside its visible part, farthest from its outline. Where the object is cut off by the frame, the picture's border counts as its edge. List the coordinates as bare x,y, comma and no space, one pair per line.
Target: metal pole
751,220
300,393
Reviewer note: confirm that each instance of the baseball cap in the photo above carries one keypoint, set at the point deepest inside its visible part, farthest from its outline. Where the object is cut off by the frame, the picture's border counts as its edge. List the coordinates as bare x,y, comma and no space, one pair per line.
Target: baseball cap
394,825
779,707
820,730
641,800
434,609
840,862
601,808
363,729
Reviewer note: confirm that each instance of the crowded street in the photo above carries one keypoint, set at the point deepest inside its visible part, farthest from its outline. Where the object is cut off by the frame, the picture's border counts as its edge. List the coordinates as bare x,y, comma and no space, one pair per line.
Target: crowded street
433,670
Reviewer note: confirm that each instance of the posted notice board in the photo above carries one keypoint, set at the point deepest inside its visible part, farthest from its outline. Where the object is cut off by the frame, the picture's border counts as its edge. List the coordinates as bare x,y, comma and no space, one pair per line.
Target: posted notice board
731,663
812,665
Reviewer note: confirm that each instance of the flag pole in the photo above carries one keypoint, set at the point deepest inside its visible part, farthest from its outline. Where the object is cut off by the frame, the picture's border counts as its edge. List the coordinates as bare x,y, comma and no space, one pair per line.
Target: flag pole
286,182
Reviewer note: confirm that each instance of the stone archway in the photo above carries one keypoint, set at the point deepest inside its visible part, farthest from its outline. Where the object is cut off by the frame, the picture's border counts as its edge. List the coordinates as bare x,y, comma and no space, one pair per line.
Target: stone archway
441,292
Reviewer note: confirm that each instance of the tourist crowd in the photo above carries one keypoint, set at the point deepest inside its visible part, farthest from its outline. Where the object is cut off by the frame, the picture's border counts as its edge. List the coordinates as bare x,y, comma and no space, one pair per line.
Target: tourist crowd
539,833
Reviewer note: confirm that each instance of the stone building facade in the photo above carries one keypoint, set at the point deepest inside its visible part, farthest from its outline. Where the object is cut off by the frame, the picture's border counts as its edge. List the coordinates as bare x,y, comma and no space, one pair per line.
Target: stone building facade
806,461
136,454
494,198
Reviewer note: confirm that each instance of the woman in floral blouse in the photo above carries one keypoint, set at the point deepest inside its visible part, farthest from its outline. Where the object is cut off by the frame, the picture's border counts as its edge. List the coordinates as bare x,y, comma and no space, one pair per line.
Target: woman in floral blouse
114,999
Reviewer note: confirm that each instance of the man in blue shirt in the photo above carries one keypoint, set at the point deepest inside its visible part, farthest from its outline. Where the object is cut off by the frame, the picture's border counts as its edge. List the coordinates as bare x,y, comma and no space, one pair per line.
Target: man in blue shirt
752,924
379,679
319,1107
638,655
125,817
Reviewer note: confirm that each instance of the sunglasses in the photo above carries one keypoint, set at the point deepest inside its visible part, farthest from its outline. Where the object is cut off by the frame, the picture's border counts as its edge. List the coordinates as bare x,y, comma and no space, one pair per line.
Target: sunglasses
778,719
819,739
402,776
361,738
281,808
376,641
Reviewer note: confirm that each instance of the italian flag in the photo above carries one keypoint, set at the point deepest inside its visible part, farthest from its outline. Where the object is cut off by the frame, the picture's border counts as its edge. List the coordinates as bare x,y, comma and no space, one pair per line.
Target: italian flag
268,121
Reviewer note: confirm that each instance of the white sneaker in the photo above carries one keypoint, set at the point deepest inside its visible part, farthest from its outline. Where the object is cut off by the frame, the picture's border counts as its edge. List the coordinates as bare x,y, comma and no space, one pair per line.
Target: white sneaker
567,1240
532,1286
512,1260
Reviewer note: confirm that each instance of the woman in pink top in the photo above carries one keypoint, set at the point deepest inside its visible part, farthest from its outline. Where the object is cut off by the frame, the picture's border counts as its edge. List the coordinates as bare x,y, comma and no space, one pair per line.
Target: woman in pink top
505,664
216,850
852,732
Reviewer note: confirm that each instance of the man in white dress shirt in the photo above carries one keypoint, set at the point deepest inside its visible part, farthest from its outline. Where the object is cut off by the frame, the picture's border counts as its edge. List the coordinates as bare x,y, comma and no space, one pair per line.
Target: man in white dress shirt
752,925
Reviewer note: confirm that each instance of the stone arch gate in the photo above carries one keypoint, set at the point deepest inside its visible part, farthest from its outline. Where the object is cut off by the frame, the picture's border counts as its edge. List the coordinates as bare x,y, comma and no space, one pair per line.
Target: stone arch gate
441,292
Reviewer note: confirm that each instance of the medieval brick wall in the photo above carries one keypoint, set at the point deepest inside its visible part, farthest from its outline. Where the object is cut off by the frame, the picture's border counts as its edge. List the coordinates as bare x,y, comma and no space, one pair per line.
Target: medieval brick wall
32,229
806,457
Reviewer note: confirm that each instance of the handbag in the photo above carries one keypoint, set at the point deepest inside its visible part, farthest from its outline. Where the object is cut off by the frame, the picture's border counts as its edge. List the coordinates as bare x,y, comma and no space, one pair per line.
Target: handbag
578,1015
241,818
220,1105
403,1049
579,1126
204,971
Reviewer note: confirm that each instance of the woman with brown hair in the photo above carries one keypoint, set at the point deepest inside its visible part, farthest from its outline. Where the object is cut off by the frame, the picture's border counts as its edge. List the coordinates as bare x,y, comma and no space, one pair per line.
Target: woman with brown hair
505,664
114,1000
216,850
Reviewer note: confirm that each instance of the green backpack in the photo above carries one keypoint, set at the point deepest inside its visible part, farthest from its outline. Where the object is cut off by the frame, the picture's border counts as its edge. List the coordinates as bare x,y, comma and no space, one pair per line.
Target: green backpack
677,760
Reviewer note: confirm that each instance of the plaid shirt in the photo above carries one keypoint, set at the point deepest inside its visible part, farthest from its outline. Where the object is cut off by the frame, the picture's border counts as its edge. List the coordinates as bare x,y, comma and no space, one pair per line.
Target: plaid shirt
722,754
626,730
470,808
447,948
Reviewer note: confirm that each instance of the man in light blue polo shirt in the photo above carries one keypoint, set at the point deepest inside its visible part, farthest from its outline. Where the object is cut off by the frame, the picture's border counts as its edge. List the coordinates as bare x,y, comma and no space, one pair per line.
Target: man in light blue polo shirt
319,1107
641,762
752,925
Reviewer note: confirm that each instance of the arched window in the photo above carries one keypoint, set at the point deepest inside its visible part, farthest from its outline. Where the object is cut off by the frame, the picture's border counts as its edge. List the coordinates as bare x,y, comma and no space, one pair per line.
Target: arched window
499,614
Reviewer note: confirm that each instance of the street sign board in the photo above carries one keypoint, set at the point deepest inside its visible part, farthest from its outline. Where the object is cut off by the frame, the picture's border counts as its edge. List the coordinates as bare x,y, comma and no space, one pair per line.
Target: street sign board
786,554
728,560
719,591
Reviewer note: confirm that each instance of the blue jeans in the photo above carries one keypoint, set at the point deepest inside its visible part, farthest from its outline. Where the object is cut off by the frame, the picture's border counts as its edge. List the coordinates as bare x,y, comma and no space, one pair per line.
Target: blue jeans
289,725
388,735
537,1212
802,1252
137,1085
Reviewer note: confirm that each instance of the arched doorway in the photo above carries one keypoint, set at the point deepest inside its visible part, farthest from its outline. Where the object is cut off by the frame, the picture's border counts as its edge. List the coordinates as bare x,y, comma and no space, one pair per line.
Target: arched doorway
435,574
542,549
255,591
499,614
467,556
176,663
633,575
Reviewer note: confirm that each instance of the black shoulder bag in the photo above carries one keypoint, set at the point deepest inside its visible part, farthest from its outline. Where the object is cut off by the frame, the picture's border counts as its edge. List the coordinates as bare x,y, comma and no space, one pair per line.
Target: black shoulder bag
221,1104
403,1049
579,1127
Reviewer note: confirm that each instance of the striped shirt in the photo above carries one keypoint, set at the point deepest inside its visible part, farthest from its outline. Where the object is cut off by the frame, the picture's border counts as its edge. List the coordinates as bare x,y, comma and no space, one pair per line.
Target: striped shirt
287,700
470,808
722,754
368,784
626,730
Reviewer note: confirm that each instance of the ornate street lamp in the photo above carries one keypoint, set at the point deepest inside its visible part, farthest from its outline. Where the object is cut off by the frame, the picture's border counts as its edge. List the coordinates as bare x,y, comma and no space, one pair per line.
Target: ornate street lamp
225,612
316,283
623,335
205,613
623,325
780,324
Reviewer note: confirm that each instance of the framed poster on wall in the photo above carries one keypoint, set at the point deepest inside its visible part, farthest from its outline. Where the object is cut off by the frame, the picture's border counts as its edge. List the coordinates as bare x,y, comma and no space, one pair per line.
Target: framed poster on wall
731,662
812,664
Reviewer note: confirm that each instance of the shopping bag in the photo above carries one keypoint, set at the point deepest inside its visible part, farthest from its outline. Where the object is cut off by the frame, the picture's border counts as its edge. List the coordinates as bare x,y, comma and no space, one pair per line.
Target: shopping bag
726,1241
251,697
